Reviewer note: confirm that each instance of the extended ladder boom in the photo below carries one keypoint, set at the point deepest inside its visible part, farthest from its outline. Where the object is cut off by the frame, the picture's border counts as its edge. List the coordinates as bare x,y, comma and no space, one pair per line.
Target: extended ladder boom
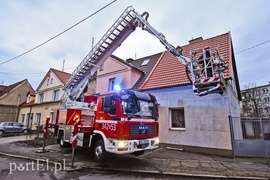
118,32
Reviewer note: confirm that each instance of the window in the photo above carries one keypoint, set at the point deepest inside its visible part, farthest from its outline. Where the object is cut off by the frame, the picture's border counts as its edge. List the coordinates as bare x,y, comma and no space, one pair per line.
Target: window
256,91
40,98
265,90
267,99
55,96
177,119
48,80
16,125
112,105
111,84
22,118
51,80
28,99
52,117
29,119
37,120
258,100
145,62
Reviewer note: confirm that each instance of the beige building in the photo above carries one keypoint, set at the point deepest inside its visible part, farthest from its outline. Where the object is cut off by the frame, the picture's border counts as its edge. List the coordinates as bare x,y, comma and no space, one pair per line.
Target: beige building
10,99
47,95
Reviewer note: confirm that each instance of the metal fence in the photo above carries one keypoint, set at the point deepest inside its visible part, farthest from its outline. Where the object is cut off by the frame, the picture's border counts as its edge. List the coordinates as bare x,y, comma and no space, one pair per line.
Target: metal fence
256,128
250,136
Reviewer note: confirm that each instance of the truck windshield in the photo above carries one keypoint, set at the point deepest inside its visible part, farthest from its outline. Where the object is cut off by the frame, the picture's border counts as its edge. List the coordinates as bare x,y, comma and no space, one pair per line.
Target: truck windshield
132,107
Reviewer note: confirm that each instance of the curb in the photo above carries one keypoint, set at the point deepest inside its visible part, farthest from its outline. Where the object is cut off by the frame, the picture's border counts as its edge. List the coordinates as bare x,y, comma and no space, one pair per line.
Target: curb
140,171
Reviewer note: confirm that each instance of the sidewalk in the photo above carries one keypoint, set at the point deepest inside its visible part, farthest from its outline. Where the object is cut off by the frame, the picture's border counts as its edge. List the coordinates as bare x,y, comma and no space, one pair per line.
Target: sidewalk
10,139
160,161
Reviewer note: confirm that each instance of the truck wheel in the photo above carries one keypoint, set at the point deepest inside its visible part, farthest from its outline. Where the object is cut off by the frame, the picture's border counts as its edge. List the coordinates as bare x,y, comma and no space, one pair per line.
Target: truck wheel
138,153
1,132
62,142
99,151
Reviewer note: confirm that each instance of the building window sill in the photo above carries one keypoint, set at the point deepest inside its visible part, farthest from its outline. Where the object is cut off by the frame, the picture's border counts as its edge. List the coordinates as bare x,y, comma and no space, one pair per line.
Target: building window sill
177,129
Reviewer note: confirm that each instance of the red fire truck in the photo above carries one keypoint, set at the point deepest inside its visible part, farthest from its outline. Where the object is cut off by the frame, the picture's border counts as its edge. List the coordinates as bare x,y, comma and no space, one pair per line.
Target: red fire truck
118,122
124,121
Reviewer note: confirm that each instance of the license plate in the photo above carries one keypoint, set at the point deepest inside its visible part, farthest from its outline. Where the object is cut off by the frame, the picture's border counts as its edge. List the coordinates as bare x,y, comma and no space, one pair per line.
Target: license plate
143,141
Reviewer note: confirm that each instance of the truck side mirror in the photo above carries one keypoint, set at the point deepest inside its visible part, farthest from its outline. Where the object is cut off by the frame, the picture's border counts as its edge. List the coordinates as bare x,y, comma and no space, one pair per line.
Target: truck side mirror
107,104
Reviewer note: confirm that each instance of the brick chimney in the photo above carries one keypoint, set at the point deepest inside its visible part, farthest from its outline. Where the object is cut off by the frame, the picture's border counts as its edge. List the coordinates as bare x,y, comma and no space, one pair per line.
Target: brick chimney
192,41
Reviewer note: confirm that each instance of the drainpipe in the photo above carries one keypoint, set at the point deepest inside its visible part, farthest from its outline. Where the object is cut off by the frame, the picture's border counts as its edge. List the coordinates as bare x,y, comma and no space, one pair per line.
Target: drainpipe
30,118
18,106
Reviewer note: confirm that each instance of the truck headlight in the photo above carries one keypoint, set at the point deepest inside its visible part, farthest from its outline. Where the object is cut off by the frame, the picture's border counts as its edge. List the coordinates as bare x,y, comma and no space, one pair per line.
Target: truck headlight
122,144
157,141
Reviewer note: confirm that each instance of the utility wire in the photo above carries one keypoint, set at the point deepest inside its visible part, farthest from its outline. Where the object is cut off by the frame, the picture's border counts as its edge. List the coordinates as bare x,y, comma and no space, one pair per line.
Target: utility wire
26,73
58,34
252,47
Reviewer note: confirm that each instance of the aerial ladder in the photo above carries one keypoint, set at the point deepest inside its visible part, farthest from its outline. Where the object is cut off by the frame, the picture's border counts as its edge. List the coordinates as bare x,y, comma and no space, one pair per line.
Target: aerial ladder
117,33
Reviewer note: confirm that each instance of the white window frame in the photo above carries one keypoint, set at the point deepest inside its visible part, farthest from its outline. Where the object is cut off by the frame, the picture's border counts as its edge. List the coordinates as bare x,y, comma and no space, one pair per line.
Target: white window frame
111,84
40,98
265,90
145,62
28,99
55,95
171,119
52,117
22,118
257,91
37,118
267,99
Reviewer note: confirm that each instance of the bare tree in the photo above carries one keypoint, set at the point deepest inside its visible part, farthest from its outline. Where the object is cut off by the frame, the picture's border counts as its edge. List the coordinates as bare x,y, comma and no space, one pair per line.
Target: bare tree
253,102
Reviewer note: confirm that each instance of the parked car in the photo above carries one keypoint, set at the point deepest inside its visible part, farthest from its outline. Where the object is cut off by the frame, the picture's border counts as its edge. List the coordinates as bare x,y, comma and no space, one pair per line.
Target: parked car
12,127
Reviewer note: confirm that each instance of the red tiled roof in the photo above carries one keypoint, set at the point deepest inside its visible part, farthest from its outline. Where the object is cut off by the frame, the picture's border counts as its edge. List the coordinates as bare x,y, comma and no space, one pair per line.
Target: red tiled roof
63,76
169,72
6,89
31,92
2,87
27,104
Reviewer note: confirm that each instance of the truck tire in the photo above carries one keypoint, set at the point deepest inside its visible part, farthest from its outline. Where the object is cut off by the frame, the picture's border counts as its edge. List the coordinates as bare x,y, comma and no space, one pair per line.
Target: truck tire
138,153
1,132
99,151
62,142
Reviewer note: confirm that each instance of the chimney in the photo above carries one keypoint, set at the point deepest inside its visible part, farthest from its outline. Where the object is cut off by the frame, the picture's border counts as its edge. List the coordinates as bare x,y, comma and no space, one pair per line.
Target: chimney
192,41
129,60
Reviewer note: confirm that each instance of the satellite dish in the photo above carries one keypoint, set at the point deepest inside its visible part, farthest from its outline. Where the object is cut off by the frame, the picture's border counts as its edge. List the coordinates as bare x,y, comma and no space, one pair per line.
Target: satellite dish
118,79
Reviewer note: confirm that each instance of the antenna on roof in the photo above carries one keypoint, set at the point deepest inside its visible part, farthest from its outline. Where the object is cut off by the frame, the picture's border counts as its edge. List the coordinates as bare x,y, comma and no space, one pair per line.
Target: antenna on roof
135,56
63,67
93,40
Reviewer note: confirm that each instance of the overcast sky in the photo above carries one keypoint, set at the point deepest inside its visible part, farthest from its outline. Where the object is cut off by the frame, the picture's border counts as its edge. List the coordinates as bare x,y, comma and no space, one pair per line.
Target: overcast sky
25,24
